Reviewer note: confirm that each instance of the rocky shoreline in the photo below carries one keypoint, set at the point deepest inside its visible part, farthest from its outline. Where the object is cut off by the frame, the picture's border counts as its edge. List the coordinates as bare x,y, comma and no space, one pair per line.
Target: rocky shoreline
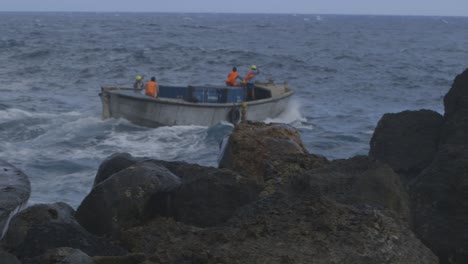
271,201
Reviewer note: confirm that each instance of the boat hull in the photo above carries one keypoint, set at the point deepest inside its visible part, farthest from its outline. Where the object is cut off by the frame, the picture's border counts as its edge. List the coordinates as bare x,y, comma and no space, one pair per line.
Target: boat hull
152,112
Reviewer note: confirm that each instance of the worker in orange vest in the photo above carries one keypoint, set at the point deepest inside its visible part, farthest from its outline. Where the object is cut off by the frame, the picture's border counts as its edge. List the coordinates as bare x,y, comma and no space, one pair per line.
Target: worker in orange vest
152,88
232,76
249,81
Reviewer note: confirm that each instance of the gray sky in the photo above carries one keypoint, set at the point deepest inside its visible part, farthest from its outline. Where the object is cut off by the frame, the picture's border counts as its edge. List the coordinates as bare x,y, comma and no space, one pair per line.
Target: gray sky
392,7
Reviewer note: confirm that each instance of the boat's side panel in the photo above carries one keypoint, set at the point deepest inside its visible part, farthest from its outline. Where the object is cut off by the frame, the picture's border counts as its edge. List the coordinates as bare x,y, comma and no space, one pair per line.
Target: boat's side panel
152,112
260,112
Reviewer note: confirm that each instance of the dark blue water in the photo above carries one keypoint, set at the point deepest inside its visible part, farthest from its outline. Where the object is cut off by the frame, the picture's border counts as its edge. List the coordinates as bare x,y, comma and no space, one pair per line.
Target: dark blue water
348,71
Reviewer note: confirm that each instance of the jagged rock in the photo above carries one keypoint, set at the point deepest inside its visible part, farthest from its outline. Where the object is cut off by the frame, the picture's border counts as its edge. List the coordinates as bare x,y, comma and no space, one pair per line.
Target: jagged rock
357,181
62,255
36,215
440,193
208,196
408,140
41,227
440,204
253,145
113,164
284,229
15,189
127,198
456,112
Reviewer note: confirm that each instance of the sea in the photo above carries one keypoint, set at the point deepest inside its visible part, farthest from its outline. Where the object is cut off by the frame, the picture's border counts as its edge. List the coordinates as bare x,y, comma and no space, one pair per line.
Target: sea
347,70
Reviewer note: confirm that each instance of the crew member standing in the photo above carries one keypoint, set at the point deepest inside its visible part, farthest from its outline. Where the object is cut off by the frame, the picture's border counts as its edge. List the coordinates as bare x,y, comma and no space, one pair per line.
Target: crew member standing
232,76
152,88
249,81
139,84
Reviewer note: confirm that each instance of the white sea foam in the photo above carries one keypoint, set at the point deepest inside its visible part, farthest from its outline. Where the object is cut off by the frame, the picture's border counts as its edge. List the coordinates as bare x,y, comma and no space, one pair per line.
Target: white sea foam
161,143
291,115
15,114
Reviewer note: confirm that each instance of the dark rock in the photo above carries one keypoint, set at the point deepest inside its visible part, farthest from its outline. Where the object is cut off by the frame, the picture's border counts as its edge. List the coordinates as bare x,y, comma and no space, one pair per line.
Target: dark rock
127,259
41,227
127,198
63,255
407,141
284,230
15,189
456,112
7,258
440,204
40,238
310,210
209,196
36,215
206,196
357,181
252,145
439,194
113,164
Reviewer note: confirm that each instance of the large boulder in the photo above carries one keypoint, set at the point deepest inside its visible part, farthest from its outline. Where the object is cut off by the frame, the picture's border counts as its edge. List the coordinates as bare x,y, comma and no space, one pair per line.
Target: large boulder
252,145
407,141
208,196
440,204
127,198
456,112
36,215
440,193
15,189
113,164
358,181
41,227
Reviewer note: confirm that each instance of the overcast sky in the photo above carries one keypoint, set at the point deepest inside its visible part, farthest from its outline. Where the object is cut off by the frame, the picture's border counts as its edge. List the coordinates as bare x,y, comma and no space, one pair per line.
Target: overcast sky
392,7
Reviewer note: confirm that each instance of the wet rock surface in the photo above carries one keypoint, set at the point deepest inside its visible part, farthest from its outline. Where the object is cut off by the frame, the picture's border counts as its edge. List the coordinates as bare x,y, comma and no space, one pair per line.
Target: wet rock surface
15,189
127,198
440,192
41,227
408,140
253,145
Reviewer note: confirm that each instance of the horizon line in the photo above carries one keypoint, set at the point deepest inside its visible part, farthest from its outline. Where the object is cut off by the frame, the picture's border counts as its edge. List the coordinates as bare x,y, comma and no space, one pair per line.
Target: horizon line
222,12
232,13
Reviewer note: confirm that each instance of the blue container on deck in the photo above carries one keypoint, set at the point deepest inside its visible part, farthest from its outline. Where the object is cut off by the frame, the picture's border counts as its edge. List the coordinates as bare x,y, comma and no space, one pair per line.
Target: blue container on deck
206,94
178,92
233,95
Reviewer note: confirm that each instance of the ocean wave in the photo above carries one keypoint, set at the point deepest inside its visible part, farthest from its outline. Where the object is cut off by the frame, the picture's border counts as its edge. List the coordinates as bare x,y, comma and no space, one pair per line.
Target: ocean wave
292,115
30,70
11,43
347,57
193,26
9,114
35,54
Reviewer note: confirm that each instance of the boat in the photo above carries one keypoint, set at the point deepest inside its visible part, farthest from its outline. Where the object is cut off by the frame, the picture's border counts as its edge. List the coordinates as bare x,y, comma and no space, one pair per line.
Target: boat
205,105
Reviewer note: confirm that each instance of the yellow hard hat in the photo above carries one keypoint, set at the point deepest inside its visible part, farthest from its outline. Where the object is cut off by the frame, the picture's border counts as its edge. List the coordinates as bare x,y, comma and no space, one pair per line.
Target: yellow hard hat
253,67
138,78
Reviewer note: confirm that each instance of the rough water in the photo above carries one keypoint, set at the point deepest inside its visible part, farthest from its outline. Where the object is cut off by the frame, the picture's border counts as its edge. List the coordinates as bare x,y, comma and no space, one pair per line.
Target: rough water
347,70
